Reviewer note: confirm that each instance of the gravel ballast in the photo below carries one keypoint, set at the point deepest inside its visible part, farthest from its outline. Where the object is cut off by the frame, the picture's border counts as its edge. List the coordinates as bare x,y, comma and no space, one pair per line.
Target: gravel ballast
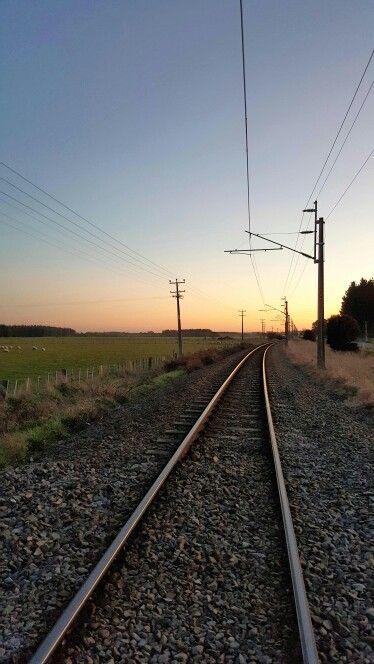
205,579
326,449
58,515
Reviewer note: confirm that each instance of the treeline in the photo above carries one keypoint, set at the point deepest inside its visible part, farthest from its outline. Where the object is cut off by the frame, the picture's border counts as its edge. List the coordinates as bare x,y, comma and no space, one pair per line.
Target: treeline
192,332
198,332
35,331
51,331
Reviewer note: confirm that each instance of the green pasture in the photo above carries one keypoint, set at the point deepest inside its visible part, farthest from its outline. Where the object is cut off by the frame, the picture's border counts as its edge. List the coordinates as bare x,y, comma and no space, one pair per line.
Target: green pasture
74,353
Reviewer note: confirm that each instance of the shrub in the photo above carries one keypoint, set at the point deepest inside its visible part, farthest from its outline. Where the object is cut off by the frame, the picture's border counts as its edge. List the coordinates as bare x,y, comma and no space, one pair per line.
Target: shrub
309,335
341,332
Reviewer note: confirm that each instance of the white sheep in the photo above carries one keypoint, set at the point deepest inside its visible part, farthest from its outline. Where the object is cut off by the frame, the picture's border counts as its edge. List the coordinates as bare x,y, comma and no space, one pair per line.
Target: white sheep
35,348
43,348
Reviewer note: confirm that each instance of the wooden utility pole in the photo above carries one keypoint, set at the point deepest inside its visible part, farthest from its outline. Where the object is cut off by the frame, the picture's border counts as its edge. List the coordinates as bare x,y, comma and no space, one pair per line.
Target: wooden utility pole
286,320
178,295
242,314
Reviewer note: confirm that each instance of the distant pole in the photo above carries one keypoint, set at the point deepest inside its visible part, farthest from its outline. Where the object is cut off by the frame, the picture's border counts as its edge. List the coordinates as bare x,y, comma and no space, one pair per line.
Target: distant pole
366,331
286,320
262,327
321,289
242,314
178,295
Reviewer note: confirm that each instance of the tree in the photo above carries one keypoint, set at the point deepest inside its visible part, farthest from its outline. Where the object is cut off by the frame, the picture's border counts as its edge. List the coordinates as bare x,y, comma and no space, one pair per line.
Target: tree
309,335
358,302
342,332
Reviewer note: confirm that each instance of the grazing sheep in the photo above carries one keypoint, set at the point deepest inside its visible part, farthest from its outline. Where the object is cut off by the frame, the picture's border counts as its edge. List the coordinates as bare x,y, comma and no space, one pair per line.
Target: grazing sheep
5,350
35,348
43,348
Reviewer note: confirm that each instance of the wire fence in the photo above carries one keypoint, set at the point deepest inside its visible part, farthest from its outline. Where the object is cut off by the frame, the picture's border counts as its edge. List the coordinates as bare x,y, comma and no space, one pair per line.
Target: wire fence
78,376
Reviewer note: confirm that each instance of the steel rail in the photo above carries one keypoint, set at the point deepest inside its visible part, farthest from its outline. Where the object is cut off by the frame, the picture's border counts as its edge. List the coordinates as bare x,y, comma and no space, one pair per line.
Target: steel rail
70,613
306,633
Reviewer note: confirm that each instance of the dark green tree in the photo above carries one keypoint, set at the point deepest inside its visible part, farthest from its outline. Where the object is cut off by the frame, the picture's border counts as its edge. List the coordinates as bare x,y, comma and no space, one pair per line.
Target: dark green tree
342,332
309,335
358,302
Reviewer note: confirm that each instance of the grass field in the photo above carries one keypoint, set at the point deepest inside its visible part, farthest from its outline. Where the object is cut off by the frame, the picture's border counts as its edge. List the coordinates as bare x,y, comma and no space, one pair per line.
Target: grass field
73,353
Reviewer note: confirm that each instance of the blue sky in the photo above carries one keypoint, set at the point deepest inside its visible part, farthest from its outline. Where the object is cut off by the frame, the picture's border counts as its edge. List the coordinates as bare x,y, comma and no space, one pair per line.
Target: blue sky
131,112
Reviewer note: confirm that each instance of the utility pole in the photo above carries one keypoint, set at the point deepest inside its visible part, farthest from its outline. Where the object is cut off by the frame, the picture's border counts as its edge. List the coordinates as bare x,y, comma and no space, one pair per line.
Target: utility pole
318,257
262,327
286,321
178,295
242,314
321,296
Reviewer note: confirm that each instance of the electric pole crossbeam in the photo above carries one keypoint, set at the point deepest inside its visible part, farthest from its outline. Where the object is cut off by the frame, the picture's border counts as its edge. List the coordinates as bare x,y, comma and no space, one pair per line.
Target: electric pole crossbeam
318,258
178,295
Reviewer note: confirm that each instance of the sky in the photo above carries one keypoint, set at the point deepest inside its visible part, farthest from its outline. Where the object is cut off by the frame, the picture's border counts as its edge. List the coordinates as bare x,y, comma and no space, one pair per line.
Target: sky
131,113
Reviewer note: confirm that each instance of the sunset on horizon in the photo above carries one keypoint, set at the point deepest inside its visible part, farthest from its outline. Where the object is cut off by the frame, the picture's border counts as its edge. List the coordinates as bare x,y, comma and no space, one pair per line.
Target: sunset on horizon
186,331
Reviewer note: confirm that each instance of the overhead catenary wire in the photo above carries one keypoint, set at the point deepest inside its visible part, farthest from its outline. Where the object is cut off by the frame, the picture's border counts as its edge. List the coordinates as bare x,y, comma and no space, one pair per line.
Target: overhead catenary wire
350,184
289,278
345,140
252,258
333,209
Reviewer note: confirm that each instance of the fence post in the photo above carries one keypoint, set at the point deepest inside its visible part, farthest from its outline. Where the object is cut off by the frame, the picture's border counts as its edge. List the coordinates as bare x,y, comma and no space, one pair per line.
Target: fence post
27,384
15,387
79,376
149,363
4,387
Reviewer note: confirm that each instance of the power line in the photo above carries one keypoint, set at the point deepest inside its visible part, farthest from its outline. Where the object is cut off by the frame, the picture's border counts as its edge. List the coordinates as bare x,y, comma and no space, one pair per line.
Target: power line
47,239
77,225
81,228
287,282
43,237
332,210
252,259
82,302
345,140
82,237
350,184
91,223
341,126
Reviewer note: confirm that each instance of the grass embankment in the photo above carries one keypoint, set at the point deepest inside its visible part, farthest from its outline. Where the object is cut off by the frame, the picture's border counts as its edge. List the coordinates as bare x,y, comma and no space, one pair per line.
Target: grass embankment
351,374
30,422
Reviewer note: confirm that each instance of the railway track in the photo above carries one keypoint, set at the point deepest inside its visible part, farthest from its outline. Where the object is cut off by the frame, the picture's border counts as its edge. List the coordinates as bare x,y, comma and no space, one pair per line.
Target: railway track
227,505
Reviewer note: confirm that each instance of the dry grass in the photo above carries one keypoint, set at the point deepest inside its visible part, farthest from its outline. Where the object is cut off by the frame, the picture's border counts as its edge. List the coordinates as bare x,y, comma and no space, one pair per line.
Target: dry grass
28,423
353,370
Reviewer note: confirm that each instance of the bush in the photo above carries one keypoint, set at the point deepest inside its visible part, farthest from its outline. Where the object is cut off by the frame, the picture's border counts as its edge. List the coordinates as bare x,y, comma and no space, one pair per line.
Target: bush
309,335
341,332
